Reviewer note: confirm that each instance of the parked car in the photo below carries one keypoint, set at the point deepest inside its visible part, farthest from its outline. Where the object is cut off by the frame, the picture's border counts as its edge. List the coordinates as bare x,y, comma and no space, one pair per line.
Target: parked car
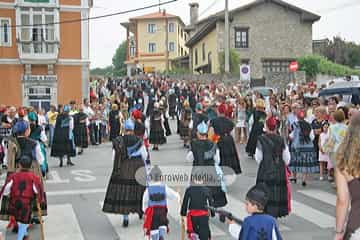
350,90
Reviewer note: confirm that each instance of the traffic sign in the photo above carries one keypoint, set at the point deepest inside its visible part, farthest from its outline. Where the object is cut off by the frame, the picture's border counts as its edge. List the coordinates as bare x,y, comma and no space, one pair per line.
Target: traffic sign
294,66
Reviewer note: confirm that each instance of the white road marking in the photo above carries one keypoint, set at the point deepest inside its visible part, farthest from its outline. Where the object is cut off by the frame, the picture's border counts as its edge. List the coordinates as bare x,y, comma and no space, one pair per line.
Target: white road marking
237,207
83,175
55,178
62,224
312,215
320,195
76,192
134,229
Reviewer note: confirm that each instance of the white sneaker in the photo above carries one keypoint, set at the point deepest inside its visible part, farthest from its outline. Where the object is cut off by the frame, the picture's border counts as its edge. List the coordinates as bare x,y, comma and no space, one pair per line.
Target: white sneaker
321,178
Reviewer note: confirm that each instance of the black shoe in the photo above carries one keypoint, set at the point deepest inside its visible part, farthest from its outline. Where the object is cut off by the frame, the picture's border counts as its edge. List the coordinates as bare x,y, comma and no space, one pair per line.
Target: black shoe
293,180
125,223
303,184
35,221
70,164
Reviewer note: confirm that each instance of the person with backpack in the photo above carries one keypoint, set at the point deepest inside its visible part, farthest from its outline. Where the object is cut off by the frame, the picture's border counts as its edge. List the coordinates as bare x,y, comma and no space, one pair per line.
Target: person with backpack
303,155
273,156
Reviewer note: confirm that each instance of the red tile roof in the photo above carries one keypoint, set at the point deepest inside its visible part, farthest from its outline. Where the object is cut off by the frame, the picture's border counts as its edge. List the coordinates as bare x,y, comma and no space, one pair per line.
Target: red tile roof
155,15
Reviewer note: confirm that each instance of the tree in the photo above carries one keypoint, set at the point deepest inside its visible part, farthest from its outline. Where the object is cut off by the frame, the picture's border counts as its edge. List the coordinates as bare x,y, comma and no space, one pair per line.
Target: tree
315,64
107,71
341,52
234,62
119,59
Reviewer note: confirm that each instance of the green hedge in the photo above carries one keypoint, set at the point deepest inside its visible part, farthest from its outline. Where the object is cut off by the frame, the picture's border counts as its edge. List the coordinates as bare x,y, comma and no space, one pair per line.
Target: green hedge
315,64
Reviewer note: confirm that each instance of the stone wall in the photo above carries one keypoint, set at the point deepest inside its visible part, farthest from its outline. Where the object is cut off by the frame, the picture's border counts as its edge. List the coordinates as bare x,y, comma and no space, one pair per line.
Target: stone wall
280,80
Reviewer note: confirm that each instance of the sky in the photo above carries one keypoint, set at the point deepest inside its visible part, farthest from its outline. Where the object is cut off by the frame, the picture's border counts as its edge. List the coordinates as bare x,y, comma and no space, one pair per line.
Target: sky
338,17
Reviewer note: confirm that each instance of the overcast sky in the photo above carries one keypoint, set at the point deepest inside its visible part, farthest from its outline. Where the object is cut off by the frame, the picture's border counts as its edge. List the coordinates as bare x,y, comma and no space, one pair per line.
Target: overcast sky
338,17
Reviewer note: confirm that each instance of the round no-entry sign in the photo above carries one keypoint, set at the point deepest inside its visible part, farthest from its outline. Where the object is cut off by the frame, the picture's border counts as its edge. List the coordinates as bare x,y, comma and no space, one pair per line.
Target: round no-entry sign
294,66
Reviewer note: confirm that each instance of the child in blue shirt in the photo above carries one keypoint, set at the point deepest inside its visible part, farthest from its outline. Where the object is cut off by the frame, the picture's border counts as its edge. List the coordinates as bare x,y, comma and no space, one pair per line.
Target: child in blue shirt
258,226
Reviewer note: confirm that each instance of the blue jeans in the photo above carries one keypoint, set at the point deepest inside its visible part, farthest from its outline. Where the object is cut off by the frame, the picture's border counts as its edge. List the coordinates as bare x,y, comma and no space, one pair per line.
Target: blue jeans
51,134
22,231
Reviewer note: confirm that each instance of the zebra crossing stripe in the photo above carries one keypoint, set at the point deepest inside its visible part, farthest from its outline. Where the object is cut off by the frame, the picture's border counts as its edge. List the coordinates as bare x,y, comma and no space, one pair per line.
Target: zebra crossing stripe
312,215
55,229
237,207
322,196
134,229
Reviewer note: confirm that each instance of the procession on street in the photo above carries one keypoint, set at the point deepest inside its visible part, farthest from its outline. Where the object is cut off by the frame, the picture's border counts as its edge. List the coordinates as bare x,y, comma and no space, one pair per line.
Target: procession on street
240,122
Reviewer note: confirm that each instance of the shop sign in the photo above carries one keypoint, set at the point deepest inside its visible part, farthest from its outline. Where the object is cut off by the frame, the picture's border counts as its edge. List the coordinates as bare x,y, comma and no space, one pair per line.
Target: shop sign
40,78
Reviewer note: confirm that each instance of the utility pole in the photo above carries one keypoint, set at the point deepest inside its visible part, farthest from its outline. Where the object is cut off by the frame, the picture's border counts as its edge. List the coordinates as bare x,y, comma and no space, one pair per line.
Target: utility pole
166,42
226,40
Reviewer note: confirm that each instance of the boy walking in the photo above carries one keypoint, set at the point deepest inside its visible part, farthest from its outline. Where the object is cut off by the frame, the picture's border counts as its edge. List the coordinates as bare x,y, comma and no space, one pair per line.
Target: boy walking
258,226
155,206
22,188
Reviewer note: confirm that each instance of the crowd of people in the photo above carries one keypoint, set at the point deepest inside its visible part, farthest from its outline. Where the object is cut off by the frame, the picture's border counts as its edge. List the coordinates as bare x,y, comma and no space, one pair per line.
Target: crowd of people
288,133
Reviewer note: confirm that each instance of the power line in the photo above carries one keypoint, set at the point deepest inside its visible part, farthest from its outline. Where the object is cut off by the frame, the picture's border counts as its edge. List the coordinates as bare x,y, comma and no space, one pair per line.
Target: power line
340,7
208,8
93,18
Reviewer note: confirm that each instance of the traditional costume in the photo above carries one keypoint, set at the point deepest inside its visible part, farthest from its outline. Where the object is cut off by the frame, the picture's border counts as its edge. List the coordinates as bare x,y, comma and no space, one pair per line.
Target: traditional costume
273,157
198,117
184,124
164,111
303,155
63,142
257,128
172,103
19,147
258,226
23,190
124,193
114,122
157,134
205,153
81,131
155,206
194,206
222,128
37,133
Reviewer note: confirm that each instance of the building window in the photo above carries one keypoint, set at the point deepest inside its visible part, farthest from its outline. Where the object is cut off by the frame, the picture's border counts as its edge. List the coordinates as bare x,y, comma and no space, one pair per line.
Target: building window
5,34
276,66
151,28
171,27
203,52
37,32
171,47
152,47
241,37
196,56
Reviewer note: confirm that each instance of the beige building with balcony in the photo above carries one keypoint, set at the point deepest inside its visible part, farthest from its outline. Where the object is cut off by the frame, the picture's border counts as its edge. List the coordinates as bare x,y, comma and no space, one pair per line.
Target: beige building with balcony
154,41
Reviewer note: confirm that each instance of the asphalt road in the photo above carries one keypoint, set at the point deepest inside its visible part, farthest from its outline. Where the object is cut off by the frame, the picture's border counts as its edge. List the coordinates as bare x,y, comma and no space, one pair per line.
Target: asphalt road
75,196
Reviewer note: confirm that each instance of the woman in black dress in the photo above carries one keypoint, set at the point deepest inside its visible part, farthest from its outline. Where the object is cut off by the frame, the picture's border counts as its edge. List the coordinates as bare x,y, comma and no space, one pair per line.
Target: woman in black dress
221,127
80,130
157,133
114,122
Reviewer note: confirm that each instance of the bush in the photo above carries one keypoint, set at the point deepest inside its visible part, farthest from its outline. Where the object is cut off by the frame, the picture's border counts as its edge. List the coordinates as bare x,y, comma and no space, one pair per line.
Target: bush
234,62
315,64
